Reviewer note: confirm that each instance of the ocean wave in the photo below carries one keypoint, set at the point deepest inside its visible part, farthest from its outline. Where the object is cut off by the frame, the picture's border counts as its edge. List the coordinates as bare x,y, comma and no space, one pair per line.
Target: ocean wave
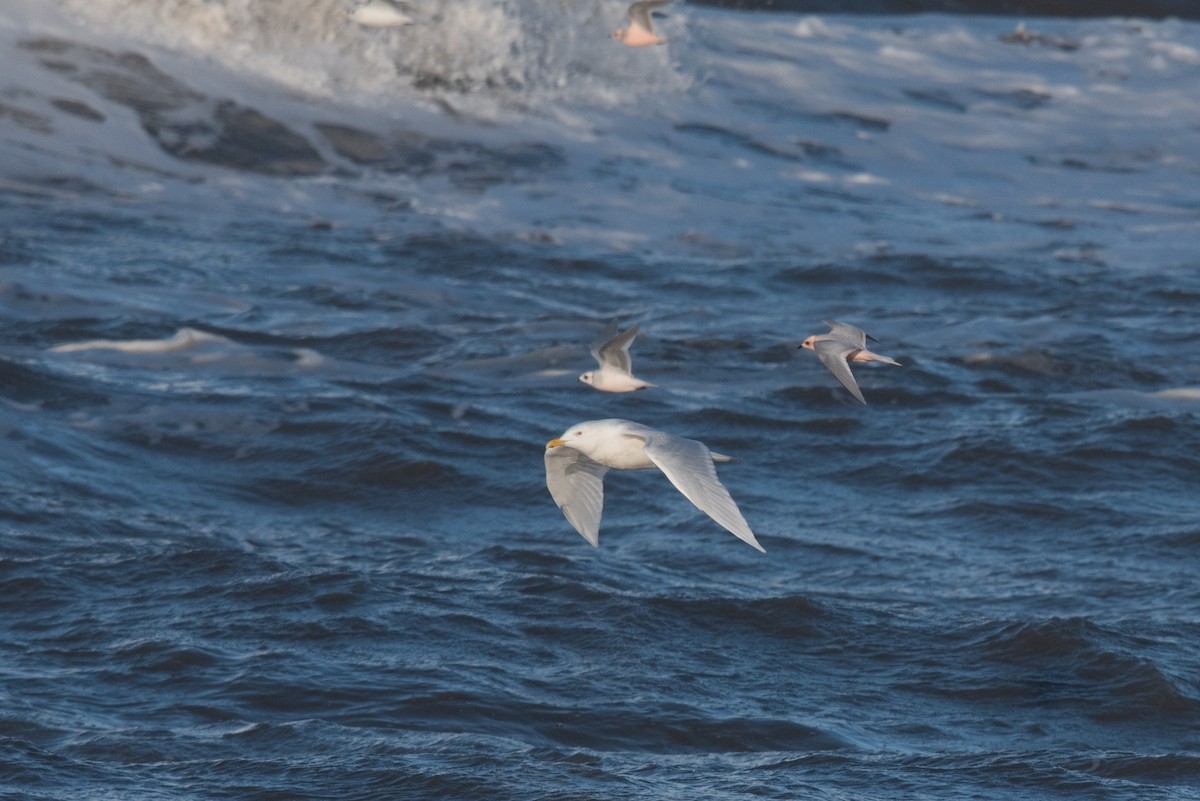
621,727
1171,768
274,510
1075,662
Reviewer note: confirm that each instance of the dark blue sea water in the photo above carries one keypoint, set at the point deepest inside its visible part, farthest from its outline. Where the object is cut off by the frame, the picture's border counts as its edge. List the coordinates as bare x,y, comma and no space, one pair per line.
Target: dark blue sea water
289,308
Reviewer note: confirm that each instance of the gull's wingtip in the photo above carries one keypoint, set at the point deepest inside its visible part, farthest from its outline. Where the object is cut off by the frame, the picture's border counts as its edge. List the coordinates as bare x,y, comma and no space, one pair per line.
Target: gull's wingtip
752,541
743,533
592,536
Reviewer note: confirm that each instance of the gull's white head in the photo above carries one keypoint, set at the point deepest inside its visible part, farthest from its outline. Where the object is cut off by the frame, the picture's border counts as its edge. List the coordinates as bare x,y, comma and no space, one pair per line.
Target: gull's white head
589,377
581,437
808,343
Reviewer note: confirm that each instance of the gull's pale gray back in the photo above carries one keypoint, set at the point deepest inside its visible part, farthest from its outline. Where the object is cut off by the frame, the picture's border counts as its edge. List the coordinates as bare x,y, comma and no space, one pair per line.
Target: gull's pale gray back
844,332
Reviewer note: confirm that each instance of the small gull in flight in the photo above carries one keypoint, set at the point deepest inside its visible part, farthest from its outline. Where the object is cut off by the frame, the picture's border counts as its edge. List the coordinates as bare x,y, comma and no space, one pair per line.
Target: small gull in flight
842,345
640,32
616,367
577,461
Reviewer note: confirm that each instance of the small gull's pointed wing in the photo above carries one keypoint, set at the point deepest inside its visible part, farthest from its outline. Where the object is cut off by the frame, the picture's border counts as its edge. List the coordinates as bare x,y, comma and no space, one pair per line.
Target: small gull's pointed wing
605,337
689,466
832,354
615,351
577,485
850,334
639,13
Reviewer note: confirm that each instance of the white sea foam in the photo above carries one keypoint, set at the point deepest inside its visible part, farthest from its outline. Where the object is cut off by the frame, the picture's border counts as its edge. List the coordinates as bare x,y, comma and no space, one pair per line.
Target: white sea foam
189,349
519,51
183,339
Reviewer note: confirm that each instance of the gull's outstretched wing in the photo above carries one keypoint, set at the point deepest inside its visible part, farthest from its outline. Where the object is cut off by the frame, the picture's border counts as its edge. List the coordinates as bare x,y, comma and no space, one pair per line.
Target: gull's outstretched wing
615,350
689,466
640,13
577,485
605,337
832,354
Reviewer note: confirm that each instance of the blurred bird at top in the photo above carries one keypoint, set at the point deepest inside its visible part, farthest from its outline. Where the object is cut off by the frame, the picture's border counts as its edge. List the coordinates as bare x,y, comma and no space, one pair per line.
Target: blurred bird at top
640,32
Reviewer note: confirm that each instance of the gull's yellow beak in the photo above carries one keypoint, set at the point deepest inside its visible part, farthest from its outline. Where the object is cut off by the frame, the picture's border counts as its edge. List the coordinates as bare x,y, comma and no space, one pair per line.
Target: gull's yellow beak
554,443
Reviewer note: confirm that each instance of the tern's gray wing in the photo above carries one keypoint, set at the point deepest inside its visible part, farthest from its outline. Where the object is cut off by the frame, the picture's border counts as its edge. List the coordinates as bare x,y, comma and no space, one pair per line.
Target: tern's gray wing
832,354
616,350
689,466
639,13
850,334
577,485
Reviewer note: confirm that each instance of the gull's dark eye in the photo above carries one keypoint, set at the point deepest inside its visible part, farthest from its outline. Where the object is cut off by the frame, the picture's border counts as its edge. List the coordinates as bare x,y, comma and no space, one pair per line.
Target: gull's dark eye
579,433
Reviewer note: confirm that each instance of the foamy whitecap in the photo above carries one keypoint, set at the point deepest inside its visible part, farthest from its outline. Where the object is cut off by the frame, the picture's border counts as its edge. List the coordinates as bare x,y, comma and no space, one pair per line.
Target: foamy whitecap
519,53
183,339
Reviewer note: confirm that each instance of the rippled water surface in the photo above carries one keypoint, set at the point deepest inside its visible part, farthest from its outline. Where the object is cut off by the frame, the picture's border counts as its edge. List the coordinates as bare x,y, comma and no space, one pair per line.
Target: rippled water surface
289,308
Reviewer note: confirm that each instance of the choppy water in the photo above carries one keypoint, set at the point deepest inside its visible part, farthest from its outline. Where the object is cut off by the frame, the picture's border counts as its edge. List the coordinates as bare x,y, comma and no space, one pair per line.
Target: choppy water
288,310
